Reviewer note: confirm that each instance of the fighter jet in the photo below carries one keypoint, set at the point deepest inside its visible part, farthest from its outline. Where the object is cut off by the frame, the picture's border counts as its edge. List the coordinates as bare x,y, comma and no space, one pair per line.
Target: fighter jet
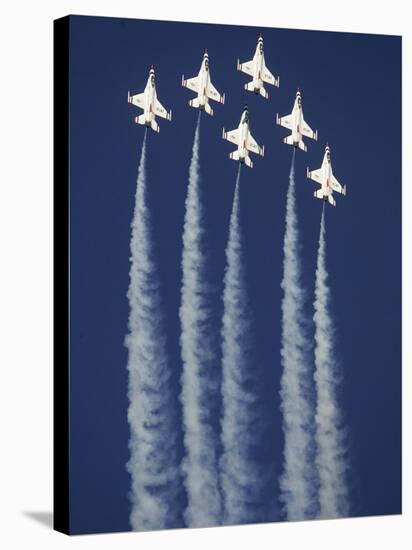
244,140
202,85
327,180
151,106
296,123
256,68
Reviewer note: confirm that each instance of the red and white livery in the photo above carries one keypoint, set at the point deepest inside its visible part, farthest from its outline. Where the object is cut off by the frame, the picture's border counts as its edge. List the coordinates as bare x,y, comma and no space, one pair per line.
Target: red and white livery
242,137
297,125
202,85
256,68
324,176
151,106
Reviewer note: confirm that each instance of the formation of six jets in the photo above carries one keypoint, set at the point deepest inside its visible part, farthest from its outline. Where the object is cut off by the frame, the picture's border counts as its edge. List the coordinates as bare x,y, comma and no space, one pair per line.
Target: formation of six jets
241,136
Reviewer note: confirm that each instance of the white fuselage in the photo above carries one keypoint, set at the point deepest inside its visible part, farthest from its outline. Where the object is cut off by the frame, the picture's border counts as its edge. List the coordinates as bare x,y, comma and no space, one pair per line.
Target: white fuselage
297,117
258,66
243,137
326,175
150,100
204,80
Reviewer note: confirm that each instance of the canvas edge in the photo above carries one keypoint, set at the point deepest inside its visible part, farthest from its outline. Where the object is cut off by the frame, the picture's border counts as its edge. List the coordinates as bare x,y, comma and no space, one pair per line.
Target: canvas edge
61,410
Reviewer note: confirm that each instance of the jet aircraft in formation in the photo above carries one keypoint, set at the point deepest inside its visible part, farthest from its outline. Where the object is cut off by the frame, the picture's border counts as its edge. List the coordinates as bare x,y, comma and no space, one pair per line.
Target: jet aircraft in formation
244,140
151,106
241,136
256,68
297,125
324,176
202,85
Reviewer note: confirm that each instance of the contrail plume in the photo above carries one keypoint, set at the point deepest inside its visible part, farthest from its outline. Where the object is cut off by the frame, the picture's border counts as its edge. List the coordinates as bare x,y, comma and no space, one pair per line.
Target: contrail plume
200,352
298,480
330,434
244,480
154,461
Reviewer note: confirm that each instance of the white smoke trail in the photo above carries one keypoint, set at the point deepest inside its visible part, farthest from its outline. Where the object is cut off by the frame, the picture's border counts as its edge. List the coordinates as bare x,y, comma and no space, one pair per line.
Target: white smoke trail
244,481
298,480
154,461
200,355
330,435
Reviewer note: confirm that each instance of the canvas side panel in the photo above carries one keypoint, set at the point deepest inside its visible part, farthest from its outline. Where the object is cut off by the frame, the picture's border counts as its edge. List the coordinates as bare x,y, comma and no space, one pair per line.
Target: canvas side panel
61,275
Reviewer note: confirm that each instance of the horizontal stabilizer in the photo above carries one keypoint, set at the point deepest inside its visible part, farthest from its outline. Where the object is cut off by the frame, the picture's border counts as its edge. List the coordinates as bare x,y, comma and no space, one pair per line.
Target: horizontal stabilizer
289,140
254,86
154,126
235,156
319,194
302,146
248,162
140,119
208,109
194,103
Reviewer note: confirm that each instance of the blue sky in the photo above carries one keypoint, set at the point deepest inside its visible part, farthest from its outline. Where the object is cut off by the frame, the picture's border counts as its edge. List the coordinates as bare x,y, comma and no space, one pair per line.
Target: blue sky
351,93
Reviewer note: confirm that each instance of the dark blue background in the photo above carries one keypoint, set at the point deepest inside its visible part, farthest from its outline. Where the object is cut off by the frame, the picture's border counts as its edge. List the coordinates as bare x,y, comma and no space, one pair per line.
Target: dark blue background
351,86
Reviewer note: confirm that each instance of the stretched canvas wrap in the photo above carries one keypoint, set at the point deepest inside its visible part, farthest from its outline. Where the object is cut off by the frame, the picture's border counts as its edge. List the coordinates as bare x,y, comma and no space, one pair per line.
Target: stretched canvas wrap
228,275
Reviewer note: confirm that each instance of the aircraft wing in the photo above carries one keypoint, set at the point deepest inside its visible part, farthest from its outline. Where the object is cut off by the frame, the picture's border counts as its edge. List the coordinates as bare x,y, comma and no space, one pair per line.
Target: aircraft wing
246,67
192,83
214,94
285,121
336,186
137,100
232,136
268,77
253,146
307,131
161,111
315,175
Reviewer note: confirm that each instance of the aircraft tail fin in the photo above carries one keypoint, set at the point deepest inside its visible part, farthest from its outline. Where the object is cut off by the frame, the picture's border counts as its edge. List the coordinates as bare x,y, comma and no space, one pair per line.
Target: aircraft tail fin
234,155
